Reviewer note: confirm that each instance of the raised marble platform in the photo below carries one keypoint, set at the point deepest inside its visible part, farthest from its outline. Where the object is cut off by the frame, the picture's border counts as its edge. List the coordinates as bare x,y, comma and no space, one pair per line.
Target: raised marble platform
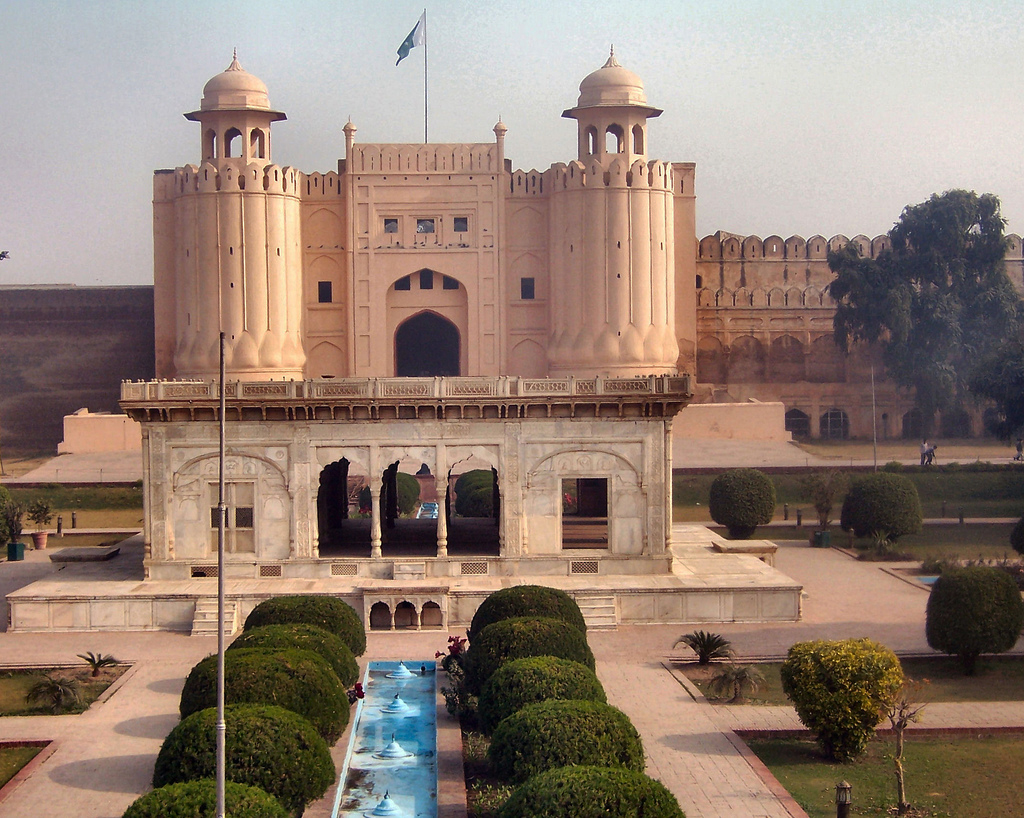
702,586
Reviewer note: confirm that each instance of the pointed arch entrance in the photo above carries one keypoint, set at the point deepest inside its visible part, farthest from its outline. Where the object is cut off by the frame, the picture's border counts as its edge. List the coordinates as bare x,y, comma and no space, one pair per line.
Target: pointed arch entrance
427,345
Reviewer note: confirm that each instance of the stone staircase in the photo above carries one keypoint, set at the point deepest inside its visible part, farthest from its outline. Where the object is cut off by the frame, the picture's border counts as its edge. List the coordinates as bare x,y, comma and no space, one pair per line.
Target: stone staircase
598,612
205,619
410,570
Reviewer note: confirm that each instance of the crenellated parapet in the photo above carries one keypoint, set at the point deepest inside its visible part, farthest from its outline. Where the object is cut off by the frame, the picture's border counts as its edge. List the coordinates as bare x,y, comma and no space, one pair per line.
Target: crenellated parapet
318,185
616,173
415,158
227,176
774,298
732,247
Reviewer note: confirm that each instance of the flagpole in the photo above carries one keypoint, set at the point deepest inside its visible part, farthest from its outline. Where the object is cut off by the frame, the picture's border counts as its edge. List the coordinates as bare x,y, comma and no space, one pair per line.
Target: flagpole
425,139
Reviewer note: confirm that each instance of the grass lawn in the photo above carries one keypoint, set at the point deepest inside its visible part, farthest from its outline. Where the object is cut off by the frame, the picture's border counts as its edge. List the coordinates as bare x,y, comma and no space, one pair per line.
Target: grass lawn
94,506
970,777
997,679
485,793
12,759
15,685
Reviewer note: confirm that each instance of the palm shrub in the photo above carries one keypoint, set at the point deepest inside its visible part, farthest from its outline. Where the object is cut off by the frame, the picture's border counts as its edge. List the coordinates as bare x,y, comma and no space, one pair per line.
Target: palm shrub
518,638
97,661
591,792
741,500
882,504
973,610
560,733
327,645
198,799
840,690
267,747
298,680
531,680
526,600
326,612
55,692
706,645
737,680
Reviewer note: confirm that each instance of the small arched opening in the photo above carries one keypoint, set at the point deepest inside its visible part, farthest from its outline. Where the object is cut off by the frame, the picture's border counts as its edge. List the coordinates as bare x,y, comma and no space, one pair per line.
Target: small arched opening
638,139
430,616
613,140
209,144
591,138
380,617
257,144
232,143
405,616
798,423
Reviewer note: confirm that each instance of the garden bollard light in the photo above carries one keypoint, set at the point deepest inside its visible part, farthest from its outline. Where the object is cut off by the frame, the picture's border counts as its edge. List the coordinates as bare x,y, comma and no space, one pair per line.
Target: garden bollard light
943,508
74,519
961,516
799,518
60,525
785,511
844,798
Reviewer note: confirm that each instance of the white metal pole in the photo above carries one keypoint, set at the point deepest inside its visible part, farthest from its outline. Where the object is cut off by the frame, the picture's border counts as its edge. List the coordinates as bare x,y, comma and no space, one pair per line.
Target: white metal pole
425,139
874,420
221,512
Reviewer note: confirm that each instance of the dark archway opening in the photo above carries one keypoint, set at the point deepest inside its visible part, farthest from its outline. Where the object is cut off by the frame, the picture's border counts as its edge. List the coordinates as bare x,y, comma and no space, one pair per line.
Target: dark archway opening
427,345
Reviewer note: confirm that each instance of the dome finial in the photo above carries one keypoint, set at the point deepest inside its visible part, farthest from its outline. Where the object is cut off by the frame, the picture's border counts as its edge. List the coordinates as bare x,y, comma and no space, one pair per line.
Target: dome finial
235,65
612,62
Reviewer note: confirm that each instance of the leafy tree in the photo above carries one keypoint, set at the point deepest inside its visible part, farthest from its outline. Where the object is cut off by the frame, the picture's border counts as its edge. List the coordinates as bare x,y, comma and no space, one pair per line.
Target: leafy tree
1000,379
822,488
938,302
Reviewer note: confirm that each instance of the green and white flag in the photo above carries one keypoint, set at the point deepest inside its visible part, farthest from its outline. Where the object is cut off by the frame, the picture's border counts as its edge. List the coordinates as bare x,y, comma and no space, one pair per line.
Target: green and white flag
415,38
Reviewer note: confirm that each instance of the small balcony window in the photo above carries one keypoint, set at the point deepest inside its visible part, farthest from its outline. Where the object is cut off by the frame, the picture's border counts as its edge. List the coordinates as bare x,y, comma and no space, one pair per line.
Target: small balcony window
424,225
324,292
460,224
390,225
527,289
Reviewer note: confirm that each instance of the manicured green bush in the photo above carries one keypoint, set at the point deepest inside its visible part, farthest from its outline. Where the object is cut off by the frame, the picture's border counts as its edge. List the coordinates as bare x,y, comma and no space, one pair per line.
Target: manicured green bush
526,600
327,645
840,690
531,680
1017,536
267,747
198,799
972,611
591,792
298,680
474,493
882,504
559,733
326,612
741,500
518,638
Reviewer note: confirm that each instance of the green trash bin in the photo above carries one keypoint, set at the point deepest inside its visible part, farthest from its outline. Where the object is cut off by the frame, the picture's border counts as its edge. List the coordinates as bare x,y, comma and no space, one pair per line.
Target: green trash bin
822,539
15,551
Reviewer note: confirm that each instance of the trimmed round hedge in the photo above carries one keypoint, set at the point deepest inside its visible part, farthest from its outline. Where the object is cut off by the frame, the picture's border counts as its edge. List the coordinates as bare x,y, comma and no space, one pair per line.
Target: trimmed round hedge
531,680
327,645
474,493
1017,536
563,733
526,600
882,503
298,680
325,612
591,792
972,611
741,500
518,638
198,799
267,747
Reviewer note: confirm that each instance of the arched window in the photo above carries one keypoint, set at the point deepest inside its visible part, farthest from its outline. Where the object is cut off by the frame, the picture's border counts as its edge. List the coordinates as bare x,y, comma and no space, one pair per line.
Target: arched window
591,136
405,616
257,144
638,139
613,140
835,425
232,143
798,423
210,145
380,617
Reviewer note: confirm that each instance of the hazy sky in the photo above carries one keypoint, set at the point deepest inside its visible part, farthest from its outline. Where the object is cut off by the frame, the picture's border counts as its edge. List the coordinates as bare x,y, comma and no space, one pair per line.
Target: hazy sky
802,117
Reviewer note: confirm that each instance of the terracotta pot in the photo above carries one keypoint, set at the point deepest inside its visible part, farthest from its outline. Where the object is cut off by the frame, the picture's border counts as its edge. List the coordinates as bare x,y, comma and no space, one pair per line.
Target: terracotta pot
39,539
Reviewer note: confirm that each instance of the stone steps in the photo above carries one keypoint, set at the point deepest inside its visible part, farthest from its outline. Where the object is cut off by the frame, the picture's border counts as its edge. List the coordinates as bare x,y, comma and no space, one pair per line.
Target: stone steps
204,621
598,612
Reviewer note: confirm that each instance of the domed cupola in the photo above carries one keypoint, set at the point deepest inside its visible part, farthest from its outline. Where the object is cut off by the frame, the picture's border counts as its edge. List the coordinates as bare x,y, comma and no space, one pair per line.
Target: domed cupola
612,112
235,113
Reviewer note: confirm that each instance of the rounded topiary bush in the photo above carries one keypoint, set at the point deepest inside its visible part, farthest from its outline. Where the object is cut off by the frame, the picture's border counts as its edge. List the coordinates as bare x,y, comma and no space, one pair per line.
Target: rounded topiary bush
1017,536
741,500
298,680
198,799
972,611
474,493
408,494
564,733
591,792
526,600
840,690
325,612
518,638
327,645
267,747
531,680
882,504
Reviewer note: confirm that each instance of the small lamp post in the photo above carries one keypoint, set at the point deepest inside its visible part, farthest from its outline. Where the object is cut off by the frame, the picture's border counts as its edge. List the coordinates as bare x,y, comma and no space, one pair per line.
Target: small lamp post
844,798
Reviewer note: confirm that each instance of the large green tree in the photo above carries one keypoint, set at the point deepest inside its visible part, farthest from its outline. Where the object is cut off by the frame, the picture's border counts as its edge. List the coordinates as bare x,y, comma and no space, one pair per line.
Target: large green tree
938,302
1000,378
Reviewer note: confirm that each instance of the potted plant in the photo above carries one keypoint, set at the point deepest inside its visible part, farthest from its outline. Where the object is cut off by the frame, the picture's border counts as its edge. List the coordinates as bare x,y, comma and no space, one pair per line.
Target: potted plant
40,513
11,511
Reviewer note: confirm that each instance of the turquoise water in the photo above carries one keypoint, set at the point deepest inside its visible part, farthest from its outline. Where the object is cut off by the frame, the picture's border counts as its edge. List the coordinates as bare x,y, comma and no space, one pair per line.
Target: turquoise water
410,782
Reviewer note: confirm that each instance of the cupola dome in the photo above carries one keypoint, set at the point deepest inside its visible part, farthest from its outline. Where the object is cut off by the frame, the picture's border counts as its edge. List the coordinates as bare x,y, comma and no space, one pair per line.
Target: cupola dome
611,84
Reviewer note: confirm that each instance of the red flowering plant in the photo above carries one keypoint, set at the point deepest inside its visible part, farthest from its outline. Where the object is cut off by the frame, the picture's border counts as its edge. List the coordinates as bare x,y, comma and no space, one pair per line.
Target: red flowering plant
455,655
355,692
